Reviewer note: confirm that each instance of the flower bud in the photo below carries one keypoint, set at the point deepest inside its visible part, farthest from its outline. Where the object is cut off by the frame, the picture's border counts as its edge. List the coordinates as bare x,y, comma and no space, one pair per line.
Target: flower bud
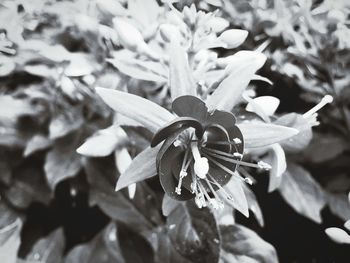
129,36
233,37
218,24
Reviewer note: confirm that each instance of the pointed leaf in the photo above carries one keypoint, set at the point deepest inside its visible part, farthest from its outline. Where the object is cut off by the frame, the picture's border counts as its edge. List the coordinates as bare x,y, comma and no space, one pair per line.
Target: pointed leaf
194,233
62,161
338,235
302,192
134,69
140,213
245,246
263,134
48,249
145,112
181,78
142,167
103,142
168,205
104,248
239,72
10,241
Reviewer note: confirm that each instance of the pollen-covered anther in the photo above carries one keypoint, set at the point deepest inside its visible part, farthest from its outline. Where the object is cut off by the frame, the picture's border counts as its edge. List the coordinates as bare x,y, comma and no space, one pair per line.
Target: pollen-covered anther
177,143
264,165
237,140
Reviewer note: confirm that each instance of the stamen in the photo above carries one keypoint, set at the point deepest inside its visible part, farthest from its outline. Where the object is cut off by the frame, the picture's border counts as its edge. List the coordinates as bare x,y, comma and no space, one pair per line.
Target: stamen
216,201
177,143
228,195
325,100
259,165
185,163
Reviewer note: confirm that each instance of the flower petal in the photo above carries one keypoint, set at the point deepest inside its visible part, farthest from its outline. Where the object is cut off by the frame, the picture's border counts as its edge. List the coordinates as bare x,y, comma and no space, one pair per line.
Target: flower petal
190,106
172,157
145,112
224,118
174,126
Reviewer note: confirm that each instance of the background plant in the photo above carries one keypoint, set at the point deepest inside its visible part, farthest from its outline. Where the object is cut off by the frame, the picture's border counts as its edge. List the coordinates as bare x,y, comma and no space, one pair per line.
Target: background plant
59,206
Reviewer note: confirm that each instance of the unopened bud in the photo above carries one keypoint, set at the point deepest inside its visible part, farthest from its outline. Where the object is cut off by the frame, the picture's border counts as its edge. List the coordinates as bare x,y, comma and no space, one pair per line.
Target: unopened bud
129,36
233,37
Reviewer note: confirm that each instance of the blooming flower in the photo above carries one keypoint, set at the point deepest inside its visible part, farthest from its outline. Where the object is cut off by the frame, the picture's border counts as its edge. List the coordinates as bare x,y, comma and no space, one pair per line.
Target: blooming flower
200,153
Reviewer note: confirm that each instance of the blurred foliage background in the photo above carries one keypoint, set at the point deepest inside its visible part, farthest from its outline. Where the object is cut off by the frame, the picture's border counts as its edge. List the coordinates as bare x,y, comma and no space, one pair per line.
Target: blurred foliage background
59,206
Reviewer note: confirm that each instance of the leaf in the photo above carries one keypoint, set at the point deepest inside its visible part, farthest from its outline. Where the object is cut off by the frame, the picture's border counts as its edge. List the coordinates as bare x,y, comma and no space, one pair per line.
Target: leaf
165,251
325,148
131,241
7,66
10,241
104,248
268,104
254,205
36,143
137,108
80,65
62,161
245,246
302,192
302,139
138,69
140,213
137,7
194,233
338,235
278,166
168,205
239,73
264,134
142,167
69,120
48,249
28,185
180,78
103,142
339,205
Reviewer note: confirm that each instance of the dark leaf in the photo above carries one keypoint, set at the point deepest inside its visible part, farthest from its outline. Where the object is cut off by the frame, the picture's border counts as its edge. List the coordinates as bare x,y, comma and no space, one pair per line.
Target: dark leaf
62,161
48,249
194,233
302,192
245,246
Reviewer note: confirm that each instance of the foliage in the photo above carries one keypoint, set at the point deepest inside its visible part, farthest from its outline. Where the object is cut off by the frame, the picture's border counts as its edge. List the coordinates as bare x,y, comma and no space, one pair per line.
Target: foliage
163,117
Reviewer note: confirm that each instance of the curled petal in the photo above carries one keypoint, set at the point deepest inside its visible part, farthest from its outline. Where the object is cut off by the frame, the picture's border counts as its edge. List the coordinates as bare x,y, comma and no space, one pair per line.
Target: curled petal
190,106
170,162
174,126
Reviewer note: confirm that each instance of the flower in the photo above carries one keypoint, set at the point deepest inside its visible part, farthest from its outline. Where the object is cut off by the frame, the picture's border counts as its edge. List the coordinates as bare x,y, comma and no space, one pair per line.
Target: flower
200,153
